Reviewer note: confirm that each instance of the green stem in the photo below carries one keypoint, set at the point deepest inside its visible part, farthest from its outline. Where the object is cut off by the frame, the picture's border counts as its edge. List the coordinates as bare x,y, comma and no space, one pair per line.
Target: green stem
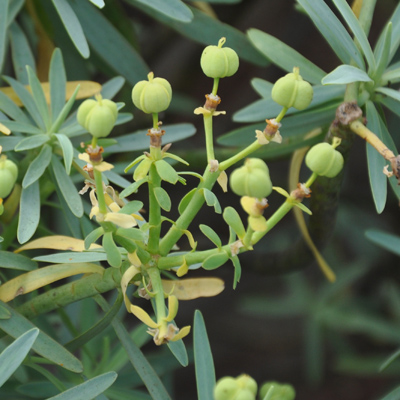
237,157
155,120
99,190
281,114
154,207
215,86
247,237
191,210
94,142
208,129
157,288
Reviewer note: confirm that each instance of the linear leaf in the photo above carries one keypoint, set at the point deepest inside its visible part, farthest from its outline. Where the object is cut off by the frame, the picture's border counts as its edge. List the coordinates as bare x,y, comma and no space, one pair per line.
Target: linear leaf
136,357
37,166
284,56
12,110
382,53
345,74
393,395
394,94
376,162
16,261
3,30
67,188
358,31
333,31
13,355
58,81
174,9
385,240
29,212
32,142
21,127
21,53
89,389
109,43
14,7
71,257
112,87
67,149
211,234
203,360
72,26
44,345
98,3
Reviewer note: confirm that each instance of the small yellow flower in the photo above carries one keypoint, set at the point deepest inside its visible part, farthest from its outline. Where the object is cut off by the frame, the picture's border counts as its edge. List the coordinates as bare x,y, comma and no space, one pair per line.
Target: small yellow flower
102,166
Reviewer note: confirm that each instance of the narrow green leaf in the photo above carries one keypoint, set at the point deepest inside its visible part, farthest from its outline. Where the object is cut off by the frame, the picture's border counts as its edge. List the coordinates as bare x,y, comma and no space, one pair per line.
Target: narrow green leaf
67,188
21,53
3,30
211,200
394,94
386,240
13,355
60,118
29,212
333,31
376,162
38,390
89,389
186,200
93,236
389,360
131,233
72,257
8,143
174,9
232,218
345,74
38,96
113,255
382,53
393,395
162,198
72,26
28,101
284,56
203,360
17,126
262,87
37,166
16,261
112,87
58,81
67,149
238,271
4,313
44,345
166,171
14,7
110,44
32,142
139,141
211,234
132,207
215,261
358,31
136,357
98,3
12,110
178,349
392,76
133,188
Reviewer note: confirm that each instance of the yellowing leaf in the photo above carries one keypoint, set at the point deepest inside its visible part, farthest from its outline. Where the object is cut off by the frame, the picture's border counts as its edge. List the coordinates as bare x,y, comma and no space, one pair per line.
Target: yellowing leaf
223,181
258,224
87,89
57,242
181,334
4,129
189,289
38,278
126,278
183,269
143,316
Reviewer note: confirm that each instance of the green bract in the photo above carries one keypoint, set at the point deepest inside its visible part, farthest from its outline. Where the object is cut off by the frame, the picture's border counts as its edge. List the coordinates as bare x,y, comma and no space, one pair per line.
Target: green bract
292,91
280,391
97,116
8,176
324,160
152,96
252,179
218,61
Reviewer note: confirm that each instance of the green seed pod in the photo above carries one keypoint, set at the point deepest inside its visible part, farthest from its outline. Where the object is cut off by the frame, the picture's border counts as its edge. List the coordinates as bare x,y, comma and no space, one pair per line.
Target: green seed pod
152,96
280,391
252,179
292,91
245,394
226,389
324,160
247,382
97,116
218,61
8,176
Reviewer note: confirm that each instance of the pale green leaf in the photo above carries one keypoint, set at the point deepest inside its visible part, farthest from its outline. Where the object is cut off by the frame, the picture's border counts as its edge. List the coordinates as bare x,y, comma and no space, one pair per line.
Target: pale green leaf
232,218
72,257
215,261
174,9
166,171
37,166
16,261
211,234
162,198
386,240
185,200
113,255
345,74
211,200
17,126
67,149
58,81
32,142
3,30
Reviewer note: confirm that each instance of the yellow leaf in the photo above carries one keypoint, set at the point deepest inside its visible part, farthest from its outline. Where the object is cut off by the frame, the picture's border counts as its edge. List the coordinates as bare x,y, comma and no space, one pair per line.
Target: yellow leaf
38,278
125,279
4,130
181,334
189,235
223,181
189,289
183,269
57,242
172,308
87,89
143,316
258,224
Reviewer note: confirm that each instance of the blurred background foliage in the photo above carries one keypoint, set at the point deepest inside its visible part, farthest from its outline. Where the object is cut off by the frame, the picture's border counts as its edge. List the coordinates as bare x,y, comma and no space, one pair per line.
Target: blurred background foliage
328,340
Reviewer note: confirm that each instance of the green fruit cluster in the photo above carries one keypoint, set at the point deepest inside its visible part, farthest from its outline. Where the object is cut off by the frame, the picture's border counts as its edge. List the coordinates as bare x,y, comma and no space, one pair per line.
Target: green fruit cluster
243,387
324,160
152,96
252,179
218,61
8,176
292,91
97,116
280,391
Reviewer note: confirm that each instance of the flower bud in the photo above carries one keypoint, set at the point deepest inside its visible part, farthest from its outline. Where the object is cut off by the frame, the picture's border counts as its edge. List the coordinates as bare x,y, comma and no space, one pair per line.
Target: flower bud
97,116
325,160
218,61
292,91
226,389
247,382
8,176
252,179
280,391
152,96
